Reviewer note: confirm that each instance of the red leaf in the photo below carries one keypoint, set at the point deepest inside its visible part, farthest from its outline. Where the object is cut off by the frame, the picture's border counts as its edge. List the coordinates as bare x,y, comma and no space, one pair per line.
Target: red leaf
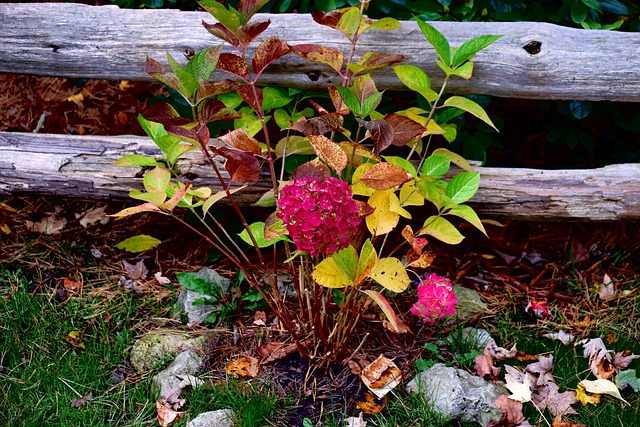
233,64
310,169
206,89
381,133
248,32
221,32
324,55
248,8
162,112
242,167
249,94
152,66
240,140
212,109
374,60
330,122
267,52
198,135
329,152
384,176
405,129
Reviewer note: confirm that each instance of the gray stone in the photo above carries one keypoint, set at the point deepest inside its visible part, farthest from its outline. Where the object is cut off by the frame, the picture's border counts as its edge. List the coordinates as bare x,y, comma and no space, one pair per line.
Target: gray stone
155,349
196,314
455,393
180,373
469,303
219,418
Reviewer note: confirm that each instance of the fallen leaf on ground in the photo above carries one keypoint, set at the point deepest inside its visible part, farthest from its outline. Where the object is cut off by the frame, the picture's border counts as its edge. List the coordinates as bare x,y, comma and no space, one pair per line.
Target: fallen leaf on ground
167,416
243,367
557,422
137,271
402,327
602,387
547,396
260,318
623,359
561,336
161,279
5,228
75,338
539,308
371,404
500,353
628,379
599,358
70,284
606,291
381,376
93,216
543,368
519,384
81,401
585,398
48,225
511,410
356,422
275,351
484,365
354,367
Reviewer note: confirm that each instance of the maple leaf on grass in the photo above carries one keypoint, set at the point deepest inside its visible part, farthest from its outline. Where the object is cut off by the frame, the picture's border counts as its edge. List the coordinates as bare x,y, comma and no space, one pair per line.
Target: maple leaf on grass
547,396
623,359
484,365
562,336
543,368
518,383
599,357
511,410
557,422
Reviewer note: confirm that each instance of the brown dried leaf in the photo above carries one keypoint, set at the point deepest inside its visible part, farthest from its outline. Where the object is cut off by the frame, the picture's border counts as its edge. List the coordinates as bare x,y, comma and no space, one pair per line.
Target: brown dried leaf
275,351
336,99
243,367
252,96
401,328
242,167
312,168
167,416
557,422
329,152
607,290
623,359
93,216
81,401
233,64
354,367
381,376
70,284
547,396
599,358
325,55
384,176
511,410
240,140
543,368
47,225
356,422
405,129
381,133
330,122
137,271
260,317
267,52
484,365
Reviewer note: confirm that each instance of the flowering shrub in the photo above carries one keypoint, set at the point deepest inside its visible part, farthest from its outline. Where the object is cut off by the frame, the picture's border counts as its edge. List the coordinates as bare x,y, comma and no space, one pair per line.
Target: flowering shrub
319,214
435,299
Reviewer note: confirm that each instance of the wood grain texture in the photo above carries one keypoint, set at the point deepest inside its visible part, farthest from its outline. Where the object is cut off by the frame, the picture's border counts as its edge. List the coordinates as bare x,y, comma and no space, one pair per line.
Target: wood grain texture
75,40
80,167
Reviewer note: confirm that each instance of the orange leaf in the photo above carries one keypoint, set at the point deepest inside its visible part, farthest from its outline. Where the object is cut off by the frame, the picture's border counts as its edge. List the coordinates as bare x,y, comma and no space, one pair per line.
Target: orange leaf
381,376
167,416
384,176
329,152
243,367
371,405
557,422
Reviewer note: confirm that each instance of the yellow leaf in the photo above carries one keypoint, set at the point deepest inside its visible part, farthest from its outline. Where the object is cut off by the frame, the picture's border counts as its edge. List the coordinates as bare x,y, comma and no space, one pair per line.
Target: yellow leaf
391,274
383,219
366,262
243,367
381,376
584,398
75,338
5,228
338,270
602,386
409,196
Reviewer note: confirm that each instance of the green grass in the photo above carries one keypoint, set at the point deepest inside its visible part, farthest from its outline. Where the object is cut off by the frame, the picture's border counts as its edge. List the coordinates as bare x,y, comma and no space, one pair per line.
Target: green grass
41,373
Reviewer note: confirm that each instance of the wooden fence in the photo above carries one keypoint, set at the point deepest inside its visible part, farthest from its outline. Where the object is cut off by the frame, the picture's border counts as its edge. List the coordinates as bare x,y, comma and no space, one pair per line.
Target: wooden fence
74,40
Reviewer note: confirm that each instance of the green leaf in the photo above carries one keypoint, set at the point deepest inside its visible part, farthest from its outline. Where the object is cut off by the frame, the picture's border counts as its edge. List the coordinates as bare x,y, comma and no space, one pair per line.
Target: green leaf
350,100
145,207
274,97
468,214
307,423
188,84
437,40
384,305
153,129
463,186
385,24
173,147
350,21
249,121
468,49
628,378
580,109
204,63
136,160
337,271
226,17
436,165
432,192
366,262
417,80
470,107
230,99
442,230
391,274
157,179
139,243
257,230
593,4
403,163
578,12
455,158
154,197
370,104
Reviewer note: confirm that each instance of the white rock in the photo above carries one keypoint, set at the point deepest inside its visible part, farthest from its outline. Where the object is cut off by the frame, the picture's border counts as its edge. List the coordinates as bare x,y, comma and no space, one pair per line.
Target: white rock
219,418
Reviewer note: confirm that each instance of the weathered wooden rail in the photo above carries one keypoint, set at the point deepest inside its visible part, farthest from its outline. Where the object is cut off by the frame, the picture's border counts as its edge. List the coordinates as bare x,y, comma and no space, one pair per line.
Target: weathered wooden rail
74,40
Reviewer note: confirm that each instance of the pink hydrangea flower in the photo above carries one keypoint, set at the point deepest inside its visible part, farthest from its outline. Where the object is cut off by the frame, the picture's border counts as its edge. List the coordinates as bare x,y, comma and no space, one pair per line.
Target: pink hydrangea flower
435,299
319,214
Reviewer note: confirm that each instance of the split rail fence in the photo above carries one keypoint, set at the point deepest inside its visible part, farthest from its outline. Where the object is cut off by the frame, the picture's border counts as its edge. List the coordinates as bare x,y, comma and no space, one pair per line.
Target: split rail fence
532,60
